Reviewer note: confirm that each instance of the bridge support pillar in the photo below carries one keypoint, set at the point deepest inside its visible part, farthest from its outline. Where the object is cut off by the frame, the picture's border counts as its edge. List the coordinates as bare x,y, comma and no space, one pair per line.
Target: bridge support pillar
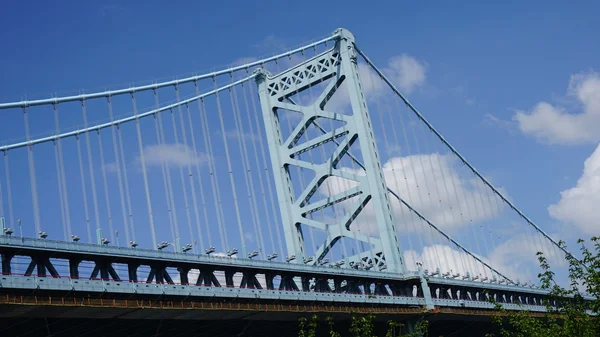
269,277
229,278
353,288
132,271
6,259
42,264
380,289
183,275
426,290
207,278
288,283
74,268
250,281
160,274
337,285
106,271
367,287
277,93
322,285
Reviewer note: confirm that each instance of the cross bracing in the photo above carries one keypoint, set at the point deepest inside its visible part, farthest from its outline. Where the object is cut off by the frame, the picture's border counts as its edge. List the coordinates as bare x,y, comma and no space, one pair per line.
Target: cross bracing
324,162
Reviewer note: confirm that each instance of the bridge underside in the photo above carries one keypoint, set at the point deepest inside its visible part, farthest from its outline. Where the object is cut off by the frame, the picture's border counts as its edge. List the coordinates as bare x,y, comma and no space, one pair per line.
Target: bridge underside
43,327
53,314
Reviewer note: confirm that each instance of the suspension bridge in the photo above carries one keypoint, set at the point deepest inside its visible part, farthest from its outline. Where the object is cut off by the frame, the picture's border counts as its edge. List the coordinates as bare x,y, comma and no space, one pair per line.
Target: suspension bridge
301,182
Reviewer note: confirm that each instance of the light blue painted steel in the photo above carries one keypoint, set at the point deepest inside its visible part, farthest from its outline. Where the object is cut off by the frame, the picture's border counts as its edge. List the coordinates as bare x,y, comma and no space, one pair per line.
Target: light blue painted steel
426,290
241,262
52,247
381,203
338,64
56,100
121,120
142,288
103,286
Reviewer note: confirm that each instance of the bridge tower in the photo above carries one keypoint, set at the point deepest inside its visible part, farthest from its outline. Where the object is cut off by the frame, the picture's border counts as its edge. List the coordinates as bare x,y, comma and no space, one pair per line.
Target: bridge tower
339,65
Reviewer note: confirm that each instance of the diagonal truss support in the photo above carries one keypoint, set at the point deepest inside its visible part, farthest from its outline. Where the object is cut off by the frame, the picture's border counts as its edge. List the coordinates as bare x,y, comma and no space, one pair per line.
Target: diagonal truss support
338,65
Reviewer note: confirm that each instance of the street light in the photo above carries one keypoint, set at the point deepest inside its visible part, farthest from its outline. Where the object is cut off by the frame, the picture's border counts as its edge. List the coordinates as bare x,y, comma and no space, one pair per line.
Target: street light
162,245
210,250
187,248
253,254
272,256
232,252
290,258
308,259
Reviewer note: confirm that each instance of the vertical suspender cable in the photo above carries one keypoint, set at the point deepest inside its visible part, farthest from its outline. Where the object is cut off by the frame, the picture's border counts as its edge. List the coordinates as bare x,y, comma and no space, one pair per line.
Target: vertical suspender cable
63,175
144,172
2,214
183,185
119,176
83,189
494,212
199,177
230,168
59,176
266,169
32,177
166,173
411,216
105,185
126,181
8,190
257,162
412,165
91,167
392,166
239,128
214,181
191,175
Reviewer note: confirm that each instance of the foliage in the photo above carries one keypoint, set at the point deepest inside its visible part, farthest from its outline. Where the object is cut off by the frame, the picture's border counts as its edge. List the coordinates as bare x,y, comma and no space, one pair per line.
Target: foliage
568,313
360,326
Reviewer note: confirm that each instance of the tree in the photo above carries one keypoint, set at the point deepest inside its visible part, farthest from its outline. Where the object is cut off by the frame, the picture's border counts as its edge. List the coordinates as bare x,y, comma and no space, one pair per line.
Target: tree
568,314
360,326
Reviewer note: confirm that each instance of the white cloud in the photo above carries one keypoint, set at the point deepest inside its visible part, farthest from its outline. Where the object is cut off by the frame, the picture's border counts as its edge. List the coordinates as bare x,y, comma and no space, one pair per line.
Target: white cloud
447,259
553,124
172,155
579,205
432,185
406,72
515,258
110,167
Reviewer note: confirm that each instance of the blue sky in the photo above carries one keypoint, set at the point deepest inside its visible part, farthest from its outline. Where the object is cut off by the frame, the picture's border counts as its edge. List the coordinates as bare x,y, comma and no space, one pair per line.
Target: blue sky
482,64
